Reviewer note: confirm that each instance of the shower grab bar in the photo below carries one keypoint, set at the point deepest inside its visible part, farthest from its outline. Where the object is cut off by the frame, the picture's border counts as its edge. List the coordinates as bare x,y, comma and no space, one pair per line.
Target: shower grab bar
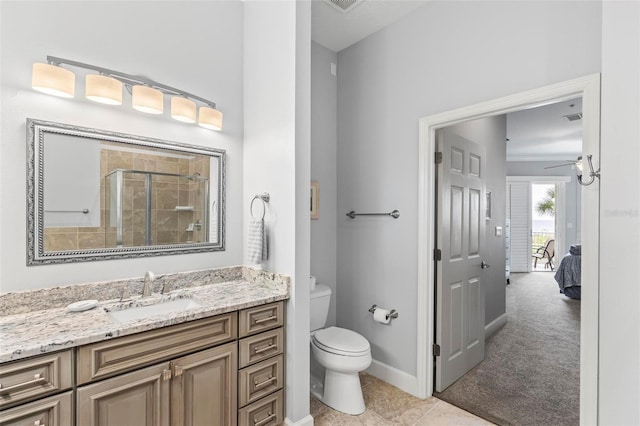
394,214
85,211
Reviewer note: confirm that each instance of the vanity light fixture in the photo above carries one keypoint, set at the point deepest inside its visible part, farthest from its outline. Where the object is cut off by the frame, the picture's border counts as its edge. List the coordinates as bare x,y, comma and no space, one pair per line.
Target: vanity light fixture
147,99
106,87
210,118
53,80
103,89
183,109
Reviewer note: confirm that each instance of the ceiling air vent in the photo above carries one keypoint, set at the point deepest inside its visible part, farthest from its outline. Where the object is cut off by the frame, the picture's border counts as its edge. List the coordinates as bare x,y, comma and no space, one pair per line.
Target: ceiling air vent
343,5
574,117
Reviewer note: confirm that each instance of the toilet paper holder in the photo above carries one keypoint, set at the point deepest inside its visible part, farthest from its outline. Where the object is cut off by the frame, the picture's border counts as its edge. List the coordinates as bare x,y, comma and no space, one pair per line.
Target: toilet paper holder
393,314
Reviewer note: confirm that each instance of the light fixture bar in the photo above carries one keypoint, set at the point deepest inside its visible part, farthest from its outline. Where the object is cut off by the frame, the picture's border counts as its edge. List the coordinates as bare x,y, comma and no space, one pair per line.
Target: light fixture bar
130,79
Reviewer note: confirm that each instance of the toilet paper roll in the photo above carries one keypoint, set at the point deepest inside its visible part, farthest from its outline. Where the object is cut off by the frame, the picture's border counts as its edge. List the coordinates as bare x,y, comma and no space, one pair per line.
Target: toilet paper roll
381,315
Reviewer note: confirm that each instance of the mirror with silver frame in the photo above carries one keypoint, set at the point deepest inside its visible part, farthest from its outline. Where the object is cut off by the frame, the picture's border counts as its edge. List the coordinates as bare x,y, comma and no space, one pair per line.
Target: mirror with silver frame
95,194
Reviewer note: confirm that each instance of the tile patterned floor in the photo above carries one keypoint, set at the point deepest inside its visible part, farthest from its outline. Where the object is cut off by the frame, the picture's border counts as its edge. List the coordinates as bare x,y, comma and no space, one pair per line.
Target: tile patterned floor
388,405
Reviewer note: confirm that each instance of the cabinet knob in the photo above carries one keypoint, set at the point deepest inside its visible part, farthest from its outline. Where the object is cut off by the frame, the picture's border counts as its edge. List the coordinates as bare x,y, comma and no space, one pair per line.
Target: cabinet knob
178,371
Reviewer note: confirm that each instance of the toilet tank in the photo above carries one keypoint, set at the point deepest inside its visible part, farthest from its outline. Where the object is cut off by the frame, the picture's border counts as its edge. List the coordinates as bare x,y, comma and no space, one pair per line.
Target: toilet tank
320,298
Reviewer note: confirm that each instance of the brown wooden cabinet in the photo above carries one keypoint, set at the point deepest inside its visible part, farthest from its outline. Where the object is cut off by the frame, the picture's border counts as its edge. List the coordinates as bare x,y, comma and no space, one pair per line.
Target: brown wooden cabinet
27,379
203,388
182,375
55,410
261,361
137,398
198,389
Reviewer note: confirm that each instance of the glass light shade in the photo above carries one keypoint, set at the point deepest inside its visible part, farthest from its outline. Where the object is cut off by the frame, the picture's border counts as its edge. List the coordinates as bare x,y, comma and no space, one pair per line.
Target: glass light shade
53,80
103,89
183,109
147,99
579,165
210,118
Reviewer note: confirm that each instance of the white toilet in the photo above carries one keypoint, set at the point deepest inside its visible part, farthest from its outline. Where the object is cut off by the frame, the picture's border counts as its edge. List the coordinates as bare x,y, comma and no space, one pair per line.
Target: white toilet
343,353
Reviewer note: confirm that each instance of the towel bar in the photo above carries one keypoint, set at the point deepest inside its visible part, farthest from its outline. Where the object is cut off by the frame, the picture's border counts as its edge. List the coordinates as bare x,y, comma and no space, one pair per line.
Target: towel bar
264,197
394,214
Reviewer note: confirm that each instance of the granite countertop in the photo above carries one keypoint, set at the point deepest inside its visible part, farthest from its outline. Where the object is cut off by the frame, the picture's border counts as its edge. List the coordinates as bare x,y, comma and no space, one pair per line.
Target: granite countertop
41,331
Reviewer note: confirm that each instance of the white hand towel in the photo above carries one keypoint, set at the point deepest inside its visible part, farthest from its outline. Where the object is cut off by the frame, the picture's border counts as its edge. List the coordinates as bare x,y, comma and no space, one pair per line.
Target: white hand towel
257,242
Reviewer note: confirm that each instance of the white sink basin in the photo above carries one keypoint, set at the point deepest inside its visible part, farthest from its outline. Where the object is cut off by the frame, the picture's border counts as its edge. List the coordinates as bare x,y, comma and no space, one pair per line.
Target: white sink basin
140,312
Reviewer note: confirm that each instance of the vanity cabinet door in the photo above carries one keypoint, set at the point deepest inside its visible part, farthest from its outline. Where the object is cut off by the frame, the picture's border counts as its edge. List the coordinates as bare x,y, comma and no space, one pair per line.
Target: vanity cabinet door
139,398
204,388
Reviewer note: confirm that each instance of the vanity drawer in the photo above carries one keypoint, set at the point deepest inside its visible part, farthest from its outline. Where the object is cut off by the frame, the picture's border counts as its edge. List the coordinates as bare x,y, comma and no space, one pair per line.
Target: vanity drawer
261,318
105,359
260,380
53,411
269,411
35,377
257,348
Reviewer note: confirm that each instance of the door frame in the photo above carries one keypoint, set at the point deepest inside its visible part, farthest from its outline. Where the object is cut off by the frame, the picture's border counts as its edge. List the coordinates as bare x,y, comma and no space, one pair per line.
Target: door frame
588,88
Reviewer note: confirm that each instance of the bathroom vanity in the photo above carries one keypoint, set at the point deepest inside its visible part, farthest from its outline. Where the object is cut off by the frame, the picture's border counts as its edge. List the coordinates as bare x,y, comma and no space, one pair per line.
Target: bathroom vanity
218,363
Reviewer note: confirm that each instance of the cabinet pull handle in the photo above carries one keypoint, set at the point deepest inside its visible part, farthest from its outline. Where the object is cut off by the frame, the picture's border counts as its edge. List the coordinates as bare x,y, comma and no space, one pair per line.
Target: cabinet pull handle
269,417
261,320
178,371
269,380
257,350
166,374
37,379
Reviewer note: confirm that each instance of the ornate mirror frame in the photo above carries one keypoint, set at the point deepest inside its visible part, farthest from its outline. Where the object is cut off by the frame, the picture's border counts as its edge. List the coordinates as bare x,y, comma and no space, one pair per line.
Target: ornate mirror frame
36,255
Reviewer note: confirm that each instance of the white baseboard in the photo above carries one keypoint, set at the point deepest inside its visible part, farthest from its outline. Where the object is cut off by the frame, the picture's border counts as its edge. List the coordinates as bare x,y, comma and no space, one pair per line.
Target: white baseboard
392,375
495,325
305,421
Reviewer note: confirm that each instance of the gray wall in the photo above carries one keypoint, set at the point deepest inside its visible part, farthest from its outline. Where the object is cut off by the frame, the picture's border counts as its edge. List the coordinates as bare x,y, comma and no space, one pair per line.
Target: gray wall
443,56
492,134
324,103
83,31
537,168
619,380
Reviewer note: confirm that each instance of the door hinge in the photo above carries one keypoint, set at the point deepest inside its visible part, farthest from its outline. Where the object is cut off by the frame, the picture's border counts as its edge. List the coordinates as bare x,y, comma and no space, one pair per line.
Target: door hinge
437,254
438,157
436,349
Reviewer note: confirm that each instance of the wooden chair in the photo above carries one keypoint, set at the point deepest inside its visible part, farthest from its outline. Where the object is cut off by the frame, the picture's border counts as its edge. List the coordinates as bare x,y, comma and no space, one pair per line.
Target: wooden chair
547,251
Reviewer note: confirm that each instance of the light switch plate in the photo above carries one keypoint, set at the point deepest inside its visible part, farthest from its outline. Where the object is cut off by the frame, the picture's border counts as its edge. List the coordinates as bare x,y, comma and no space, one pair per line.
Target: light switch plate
498,231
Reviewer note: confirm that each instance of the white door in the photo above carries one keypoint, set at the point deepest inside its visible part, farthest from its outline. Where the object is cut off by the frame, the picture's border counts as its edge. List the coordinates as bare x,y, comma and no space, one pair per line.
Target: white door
460,234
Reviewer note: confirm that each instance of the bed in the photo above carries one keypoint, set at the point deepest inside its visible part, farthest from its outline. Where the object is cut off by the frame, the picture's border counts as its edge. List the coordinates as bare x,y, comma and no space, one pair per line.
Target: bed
568,274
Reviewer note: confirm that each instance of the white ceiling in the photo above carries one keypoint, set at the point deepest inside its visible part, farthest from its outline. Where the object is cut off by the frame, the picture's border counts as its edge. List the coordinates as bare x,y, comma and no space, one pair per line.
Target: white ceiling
538,134
544,134
337,30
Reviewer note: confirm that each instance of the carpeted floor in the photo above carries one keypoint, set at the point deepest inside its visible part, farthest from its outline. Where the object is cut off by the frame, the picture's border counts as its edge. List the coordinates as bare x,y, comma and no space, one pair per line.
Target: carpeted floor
531,371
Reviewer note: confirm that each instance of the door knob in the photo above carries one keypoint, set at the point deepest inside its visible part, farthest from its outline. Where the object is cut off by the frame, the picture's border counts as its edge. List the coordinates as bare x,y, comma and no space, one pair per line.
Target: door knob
484,265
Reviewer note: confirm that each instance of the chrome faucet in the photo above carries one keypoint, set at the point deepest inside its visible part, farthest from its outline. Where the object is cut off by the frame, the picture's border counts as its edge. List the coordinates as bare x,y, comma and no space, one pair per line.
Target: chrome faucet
148,279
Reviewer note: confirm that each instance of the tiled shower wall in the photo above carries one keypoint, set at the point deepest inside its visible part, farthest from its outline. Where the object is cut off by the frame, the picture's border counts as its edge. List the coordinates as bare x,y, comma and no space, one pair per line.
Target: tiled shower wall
168,224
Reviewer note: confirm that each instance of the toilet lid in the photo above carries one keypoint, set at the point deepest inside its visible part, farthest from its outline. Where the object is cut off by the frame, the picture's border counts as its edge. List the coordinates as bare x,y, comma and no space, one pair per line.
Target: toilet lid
340,339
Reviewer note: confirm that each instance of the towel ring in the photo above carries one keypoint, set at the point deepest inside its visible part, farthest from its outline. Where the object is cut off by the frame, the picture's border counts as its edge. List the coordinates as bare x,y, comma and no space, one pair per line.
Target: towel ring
262,197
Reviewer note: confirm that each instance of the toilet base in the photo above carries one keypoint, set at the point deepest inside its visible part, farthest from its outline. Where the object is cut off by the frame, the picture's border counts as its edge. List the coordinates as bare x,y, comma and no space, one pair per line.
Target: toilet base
342,392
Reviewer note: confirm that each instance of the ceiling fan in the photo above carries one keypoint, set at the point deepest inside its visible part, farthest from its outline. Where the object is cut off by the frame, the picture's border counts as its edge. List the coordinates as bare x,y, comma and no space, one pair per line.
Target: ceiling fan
577,163
593,174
